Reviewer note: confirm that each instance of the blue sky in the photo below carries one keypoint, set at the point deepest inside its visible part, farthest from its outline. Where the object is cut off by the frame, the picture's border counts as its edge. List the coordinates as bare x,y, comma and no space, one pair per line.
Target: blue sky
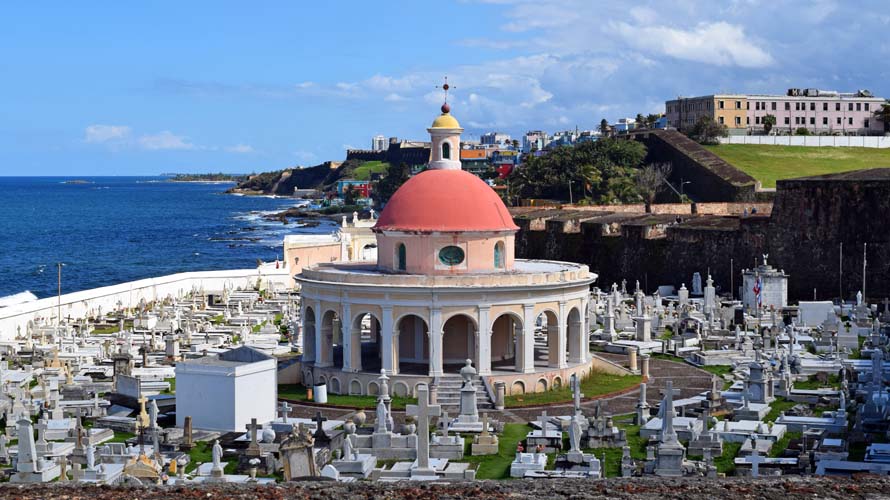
132,88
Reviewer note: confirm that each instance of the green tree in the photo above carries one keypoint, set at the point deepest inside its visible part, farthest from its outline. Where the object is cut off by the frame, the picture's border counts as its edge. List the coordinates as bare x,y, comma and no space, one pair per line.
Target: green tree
641,120
604,127
769,121
393,180
349,195
600,171
802,131
652,119
707,131
651,180
883,115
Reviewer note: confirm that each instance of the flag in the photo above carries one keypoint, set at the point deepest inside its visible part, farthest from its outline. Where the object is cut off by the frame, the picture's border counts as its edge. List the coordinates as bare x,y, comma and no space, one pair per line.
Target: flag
758,289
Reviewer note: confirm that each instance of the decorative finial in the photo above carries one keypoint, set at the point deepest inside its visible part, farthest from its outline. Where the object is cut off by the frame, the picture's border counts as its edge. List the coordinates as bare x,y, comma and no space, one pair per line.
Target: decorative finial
445,87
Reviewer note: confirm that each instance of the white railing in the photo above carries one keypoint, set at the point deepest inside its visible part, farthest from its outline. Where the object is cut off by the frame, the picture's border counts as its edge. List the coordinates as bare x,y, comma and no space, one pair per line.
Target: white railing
79,304
855,141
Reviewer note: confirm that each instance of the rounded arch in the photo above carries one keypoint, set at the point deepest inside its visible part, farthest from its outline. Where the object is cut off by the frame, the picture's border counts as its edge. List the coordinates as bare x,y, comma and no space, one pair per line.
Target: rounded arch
308,379
517,388
400,389
365,341
334,385
413,349
331,336
575,347
506,337
460,342
541,386
547,325
369,252
355,387
446,150
373,388
322,380
401,256
557,382
499,255
308,346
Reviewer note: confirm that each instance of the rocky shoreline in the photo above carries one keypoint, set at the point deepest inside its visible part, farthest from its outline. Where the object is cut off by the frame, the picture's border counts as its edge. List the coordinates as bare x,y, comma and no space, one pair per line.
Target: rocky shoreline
786,488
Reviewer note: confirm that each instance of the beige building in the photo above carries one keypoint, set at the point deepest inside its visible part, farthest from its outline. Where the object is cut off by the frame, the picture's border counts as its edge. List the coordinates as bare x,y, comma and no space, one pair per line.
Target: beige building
728,109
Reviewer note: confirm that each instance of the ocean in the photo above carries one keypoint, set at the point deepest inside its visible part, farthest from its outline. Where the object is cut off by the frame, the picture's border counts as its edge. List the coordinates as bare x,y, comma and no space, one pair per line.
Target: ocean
115,229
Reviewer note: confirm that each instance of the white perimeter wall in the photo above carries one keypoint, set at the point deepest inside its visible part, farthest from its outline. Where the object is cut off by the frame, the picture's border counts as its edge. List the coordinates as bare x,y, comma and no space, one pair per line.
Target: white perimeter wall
810,140
79,304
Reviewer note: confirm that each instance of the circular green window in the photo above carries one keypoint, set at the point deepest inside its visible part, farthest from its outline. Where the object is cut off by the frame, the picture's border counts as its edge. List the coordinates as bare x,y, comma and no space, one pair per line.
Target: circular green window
451,256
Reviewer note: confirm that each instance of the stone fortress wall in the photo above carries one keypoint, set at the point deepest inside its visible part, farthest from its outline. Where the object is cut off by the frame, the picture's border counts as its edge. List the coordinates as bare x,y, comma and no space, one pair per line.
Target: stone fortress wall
810,219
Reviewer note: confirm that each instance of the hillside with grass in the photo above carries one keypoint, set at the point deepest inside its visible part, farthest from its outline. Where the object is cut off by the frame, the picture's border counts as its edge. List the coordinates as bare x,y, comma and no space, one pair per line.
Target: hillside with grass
321,177
768,163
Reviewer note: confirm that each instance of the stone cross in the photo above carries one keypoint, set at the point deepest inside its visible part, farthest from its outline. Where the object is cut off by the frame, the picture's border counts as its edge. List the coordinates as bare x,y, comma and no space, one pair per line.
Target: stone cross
576,392
543,418
253,449
485,425
755,459
283,411
319,428
142,418
423,410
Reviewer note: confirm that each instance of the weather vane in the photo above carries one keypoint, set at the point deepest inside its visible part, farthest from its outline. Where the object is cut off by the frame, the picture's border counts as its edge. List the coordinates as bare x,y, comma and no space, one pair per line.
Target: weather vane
445,87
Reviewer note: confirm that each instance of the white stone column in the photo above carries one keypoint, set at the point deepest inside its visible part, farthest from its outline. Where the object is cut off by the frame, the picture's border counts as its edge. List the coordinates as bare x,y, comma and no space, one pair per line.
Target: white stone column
319,319
484,340
585,331
436,342
579,347
562,336
528,338
346,333
386,334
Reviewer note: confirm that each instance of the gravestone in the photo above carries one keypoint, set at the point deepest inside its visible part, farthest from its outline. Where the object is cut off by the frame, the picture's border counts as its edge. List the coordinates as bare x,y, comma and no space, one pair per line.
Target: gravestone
422,411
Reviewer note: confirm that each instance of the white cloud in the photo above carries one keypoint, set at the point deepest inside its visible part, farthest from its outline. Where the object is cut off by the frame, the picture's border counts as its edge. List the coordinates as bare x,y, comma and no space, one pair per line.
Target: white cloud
240,148
165,141
719,43
98,134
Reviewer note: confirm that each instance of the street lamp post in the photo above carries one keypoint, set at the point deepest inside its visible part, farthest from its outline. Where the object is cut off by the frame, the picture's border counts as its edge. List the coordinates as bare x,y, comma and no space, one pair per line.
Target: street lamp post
683,183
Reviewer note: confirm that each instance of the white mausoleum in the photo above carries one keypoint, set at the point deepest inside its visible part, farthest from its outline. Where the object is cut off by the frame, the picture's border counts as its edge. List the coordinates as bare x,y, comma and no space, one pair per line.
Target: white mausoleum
224,392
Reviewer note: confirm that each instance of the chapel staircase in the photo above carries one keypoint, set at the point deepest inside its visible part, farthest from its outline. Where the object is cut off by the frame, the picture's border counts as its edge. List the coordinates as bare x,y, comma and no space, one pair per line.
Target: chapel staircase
449,394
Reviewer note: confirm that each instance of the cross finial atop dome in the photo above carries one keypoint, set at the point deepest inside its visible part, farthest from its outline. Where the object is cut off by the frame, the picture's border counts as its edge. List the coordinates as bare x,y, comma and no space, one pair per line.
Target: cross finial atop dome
445,88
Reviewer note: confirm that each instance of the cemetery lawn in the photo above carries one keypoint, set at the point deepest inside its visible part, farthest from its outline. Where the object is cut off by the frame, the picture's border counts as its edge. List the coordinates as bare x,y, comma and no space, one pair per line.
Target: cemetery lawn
770,163
297,392
597,384
832,381
172,382
202,453
778,406
498,466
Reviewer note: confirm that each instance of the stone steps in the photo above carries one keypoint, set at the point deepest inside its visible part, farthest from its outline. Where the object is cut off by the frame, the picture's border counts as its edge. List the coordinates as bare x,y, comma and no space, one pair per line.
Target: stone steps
449,394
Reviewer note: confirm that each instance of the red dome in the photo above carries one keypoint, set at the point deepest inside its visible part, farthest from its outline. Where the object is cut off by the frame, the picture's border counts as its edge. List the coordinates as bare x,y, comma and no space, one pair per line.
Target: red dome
445,200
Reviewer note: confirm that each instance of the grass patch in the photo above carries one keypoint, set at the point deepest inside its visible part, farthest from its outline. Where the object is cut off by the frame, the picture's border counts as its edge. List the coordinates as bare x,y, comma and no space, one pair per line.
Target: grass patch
218,319
782,444
814,382
725,463
771,163
498,466
202,453
363,172
778,406
297,392
121,437
172,382
597,384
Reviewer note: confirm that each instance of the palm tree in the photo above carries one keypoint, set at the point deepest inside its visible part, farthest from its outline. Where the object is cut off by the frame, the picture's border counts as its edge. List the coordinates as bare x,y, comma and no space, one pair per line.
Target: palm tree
604,127
769,121
883,114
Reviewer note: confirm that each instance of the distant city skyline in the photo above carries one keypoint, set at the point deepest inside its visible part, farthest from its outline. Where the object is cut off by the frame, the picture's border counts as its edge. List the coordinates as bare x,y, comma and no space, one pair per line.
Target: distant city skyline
140,89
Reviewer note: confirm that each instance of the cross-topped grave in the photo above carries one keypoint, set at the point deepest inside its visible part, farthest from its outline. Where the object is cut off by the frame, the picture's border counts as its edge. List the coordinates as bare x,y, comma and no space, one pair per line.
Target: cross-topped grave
422,411
283,411
321,437
253,449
